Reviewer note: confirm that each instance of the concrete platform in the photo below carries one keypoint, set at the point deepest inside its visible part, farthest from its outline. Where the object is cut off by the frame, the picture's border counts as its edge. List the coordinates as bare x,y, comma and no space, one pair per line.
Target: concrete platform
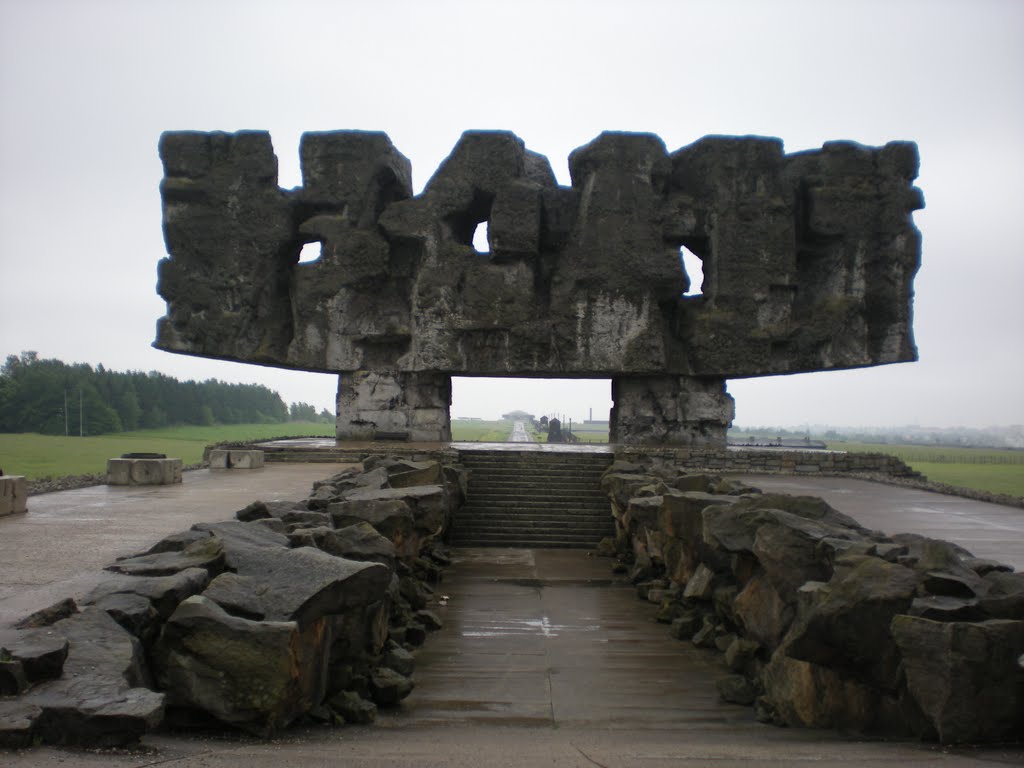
544,658
58,548
993,531
548,638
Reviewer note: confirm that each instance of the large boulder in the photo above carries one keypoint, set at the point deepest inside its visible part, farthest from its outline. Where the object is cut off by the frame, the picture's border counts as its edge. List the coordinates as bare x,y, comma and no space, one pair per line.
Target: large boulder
255,675
101,698
847,627
763,614
163,592
733,528
429,504
359,541
392,518
801,693
789,548
966,677
206,552
300,585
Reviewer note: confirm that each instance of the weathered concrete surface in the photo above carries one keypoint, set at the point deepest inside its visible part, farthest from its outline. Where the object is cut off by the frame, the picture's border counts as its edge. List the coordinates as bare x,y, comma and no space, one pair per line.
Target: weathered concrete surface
143,471
526,720
13,494
546,637
808,264
221,458
988,530
58,549
503,746
583,280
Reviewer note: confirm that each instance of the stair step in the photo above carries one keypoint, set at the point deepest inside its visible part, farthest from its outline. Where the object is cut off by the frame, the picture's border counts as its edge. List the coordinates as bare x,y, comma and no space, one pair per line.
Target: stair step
533,499
483,486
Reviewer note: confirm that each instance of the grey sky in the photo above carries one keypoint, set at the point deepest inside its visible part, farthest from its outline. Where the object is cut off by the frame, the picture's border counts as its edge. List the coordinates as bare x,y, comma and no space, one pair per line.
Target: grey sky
86,87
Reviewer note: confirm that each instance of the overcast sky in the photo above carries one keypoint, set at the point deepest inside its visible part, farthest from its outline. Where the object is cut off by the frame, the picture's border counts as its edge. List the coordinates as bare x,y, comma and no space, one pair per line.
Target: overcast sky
87,86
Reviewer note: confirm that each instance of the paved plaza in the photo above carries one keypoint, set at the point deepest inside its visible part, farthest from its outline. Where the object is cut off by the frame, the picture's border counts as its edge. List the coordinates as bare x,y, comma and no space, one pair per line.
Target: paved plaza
545,659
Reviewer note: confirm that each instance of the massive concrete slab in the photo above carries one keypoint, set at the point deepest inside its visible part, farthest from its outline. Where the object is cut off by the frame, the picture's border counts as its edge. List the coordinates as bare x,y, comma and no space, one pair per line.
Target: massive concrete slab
988,530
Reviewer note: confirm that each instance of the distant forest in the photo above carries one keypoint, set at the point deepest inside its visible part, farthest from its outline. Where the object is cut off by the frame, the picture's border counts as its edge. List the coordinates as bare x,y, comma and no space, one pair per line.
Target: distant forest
53,398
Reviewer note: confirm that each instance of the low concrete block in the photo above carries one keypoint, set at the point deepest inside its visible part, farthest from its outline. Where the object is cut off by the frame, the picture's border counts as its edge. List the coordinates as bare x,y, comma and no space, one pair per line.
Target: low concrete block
221,458
13,494
143,471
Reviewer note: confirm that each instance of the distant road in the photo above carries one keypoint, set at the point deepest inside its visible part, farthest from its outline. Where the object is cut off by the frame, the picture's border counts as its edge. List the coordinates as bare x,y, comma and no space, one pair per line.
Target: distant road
519,433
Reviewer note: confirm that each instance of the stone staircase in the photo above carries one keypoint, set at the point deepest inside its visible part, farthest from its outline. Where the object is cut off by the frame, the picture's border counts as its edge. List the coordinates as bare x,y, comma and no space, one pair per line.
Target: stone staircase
533,499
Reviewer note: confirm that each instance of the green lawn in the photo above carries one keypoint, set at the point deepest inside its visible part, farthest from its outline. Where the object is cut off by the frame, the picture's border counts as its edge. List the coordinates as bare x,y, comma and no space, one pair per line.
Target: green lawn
585,433
480,431
37,456
985,469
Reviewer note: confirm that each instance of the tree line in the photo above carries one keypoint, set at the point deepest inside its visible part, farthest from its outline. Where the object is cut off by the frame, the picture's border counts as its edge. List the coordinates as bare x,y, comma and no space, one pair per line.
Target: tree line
53,398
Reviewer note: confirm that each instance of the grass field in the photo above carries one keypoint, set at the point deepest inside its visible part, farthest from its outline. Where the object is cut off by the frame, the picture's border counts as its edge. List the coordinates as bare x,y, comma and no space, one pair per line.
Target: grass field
591,433
479,431
985,469
37,456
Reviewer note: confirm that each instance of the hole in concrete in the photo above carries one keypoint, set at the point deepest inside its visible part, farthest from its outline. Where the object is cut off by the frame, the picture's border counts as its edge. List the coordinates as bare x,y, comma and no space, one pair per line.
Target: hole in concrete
480,238
693,268
310,252
479,403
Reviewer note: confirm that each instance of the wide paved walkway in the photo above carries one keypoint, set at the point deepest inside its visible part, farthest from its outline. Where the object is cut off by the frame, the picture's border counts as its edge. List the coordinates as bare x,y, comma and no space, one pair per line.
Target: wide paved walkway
994,531
58,548
544,659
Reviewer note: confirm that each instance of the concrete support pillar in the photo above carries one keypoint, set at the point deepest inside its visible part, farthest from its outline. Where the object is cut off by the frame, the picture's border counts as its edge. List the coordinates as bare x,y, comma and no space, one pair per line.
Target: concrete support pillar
670,410
394,406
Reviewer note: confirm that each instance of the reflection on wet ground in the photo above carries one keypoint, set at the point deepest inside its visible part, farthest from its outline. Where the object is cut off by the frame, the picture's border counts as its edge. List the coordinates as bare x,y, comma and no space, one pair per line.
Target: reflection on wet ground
547,637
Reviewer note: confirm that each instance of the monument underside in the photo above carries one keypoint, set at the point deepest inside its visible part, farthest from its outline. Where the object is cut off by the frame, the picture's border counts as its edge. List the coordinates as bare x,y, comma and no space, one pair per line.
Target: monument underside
808,262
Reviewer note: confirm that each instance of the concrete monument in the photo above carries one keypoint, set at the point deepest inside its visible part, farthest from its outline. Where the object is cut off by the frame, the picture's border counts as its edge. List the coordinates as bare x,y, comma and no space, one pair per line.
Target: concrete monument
808,263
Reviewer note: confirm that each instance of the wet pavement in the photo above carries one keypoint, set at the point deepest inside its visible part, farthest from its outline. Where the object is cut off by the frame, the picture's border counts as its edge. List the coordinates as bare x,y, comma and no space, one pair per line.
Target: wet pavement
546,637
544,659
994,531
58,548
519,433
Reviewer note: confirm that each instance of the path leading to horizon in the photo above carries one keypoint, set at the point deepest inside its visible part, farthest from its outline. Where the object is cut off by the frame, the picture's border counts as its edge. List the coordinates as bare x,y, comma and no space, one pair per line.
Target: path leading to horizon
519,433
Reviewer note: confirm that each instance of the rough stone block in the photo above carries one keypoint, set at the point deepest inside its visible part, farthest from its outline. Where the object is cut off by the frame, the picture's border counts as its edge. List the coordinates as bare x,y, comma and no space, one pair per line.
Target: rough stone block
965,677
256,675
143,471
235,459
13,494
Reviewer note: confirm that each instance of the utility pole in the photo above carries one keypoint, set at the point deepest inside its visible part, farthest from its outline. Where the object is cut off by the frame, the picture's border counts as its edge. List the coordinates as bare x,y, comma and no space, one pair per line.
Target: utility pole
65,411
81,414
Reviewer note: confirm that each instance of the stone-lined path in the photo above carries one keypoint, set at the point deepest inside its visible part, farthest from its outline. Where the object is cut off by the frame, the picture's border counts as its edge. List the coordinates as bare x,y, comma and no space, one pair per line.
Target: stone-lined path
546,637
544,659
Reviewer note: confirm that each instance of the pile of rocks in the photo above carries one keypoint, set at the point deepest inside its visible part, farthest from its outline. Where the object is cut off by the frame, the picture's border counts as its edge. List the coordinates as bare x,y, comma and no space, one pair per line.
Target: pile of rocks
294,609
823,622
